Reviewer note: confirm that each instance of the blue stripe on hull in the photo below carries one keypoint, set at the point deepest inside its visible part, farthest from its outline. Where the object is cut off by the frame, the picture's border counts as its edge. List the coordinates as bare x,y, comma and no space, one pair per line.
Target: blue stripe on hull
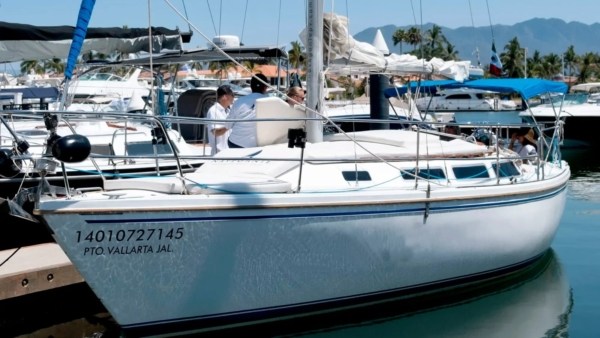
431,210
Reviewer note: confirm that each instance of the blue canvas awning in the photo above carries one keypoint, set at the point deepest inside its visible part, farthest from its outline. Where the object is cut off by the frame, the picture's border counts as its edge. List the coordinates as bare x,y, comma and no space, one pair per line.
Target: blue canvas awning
41,93
526,88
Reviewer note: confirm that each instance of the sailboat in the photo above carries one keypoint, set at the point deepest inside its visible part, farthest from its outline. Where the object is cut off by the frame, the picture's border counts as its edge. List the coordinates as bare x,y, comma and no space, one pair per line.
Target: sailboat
117,140
307,223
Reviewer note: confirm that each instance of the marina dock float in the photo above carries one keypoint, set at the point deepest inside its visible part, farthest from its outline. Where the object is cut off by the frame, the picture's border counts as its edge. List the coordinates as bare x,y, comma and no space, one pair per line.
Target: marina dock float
35,268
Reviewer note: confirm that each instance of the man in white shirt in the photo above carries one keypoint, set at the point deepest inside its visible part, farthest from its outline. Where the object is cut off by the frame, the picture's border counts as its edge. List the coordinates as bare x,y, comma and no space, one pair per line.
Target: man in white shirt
243,134
217,131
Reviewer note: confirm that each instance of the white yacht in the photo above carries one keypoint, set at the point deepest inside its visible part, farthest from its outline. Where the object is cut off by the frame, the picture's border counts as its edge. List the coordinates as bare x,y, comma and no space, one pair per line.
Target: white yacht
464,99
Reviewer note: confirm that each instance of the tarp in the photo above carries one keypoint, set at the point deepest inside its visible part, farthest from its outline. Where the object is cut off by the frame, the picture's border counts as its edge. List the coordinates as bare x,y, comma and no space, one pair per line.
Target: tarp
344,55
526,88
21,42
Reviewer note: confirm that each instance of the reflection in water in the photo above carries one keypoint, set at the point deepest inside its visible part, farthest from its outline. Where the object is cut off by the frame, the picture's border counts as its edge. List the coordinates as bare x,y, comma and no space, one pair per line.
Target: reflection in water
534,302
537,306
585,173
583,161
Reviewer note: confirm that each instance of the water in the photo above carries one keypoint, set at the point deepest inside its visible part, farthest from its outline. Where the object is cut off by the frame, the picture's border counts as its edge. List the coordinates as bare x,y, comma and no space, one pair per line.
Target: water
557,297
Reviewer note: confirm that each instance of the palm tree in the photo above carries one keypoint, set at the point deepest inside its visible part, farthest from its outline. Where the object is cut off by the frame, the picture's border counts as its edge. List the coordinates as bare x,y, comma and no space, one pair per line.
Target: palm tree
296,55
436,45
93,55
55,65
250,65
449,53
32,66
552,65
400,35
220,68
513,59
435,41
570,59
587,65
535,65
197,65
413,37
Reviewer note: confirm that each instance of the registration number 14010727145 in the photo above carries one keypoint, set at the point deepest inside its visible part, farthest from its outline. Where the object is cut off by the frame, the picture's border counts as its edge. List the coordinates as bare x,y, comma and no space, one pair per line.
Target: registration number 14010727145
129,235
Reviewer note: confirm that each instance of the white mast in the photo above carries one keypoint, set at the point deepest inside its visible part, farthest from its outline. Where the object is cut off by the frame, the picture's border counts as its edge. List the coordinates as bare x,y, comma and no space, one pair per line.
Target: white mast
314,76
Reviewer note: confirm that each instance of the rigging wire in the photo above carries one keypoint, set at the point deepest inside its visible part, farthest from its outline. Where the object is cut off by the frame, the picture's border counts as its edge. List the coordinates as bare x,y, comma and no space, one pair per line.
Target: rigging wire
353,136
151,49
211,17
474,34
220,16
244,21
412,6
421,28
278,24
490,18
186,14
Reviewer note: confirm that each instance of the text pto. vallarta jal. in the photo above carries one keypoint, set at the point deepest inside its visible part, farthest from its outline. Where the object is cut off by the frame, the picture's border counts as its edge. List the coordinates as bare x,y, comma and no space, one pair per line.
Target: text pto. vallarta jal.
128,241
126,249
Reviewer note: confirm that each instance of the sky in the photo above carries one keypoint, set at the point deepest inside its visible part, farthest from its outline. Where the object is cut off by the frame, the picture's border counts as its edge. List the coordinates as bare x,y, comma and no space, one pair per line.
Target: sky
278,22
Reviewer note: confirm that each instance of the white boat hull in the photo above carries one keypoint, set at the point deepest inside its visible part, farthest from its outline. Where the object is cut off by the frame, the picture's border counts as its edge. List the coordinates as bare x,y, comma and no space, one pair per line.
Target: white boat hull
259,256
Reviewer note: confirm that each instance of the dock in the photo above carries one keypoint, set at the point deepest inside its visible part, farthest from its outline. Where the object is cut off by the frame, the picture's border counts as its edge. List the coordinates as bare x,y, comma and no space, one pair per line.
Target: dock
35,268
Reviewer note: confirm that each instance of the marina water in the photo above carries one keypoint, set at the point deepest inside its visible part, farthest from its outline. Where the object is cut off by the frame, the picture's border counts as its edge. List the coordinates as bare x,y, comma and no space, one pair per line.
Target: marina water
556,297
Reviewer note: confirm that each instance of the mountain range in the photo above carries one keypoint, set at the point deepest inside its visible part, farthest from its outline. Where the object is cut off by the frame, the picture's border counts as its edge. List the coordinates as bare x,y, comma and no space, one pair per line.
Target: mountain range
544,35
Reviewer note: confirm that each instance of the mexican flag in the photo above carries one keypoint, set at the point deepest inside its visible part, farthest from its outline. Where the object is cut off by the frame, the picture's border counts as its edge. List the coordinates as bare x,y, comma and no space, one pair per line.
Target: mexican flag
495,65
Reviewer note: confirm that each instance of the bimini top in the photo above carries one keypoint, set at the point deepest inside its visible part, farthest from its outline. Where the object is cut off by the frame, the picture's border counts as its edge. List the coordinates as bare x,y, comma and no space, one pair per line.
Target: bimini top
526,88
20,42
242,53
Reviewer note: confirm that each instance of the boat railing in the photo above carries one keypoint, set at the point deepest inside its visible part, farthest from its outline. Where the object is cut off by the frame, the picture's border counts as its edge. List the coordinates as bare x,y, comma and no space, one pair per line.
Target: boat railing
499,135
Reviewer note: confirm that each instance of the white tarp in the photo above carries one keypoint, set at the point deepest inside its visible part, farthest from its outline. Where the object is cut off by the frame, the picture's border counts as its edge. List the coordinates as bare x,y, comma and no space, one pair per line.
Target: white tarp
344,55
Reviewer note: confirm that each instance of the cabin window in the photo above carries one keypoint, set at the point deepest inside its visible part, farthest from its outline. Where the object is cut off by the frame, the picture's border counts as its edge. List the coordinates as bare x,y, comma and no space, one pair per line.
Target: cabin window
102,149
476,171
35,132
459,97
147,148
507,169
353,176
426,173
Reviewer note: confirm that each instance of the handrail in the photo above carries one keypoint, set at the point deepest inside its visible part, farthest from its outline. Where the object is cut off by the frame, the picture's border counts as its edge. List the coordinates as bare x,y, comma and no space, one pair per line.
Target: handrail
70,118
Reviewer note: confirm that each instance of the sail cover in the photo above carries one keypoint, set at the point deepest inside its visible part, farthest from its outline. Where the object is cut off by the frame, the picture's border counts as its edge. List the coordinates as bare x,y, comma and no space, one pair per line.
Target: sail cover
85,13
345,55
22,42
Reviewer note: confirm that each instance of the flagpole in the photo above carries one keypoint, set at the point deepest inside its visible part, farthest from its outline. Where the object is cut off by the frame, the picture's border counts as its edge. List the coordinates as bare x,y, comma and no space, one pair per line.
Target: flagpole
525,62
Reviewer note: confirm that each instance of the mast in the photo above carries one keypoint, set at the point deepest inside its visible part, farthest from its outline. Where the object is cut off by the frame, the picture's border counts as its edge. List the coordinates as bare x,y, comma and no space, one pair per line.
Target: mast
314,76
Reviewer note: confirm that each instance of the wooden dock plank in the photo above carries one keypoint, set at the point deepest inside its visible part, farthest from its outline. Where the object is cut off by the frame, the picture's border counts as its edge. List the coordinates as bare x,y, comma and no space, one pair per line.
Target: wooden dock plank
35,268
